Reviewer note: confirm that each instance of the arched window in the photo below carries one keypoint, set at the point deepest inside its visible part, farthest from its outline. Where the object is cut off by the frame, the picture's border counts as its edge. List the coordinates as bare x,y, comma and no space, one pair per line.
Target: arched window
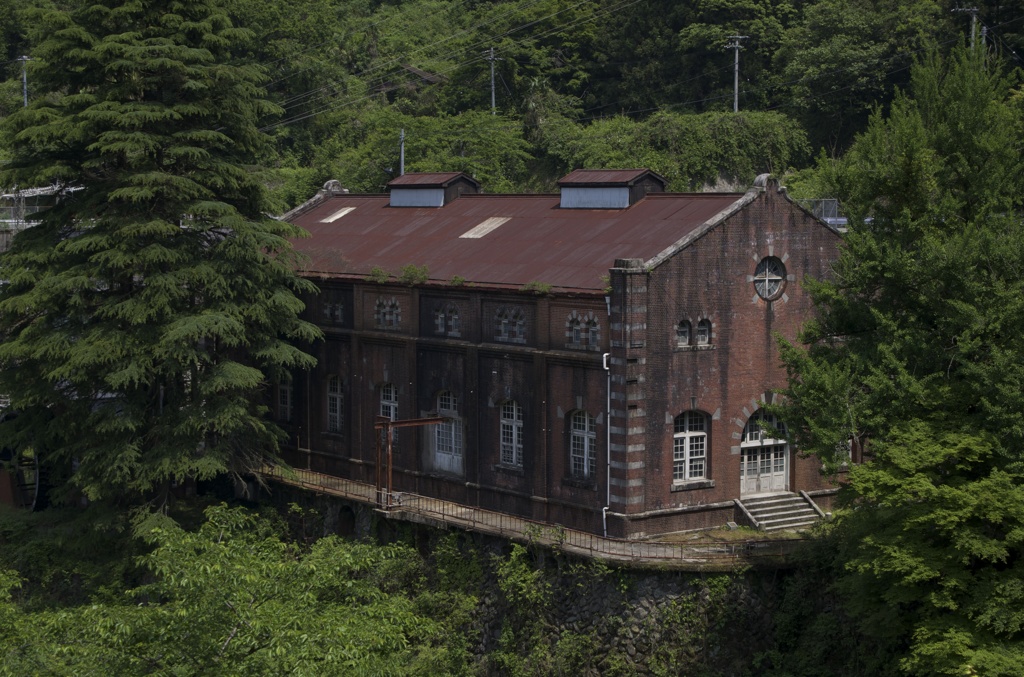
582,445
704,332
683,333
332,312
510,325
511,433
387,314
582,331
334,402
454,323
690,447
446,320
593,334
448,434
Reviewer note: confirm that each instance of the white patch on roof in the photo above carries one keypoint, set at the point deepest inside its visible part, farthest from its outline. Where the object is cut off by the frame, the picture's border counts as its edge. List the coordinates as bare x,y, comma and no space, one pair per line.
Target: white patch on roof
485,227
337,215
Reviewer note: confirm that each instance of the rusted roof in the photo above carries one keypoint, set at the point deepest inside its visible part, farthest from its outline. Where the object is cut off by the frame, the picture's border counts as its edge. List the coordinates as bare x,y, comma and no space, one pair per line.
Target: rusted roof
607,177
528,238
430,179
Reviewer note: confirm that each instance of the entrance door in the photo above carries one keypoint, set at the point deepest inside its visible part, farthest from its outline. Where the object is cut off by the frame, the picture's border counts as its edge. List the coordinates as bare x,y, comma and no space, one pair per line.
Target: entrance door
764,469
765,456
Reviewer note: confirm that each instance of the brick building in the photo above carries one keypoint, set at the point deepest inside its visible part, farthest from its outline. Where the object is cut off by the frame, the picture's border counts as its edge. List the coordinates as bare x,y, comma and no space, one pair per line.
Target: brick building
601,354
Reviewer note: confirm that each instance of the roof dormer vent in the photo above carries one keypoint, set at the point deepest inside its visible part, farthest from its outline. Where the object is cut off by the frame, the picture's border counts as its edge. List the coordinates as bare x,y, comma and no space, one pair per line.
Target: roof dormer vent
608,188
430,189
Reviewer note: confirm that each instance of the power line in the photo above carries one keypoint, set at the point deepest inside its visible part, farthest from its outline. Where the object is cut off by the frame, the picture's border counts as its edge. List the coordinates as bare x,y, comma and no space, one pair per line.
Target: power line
600,14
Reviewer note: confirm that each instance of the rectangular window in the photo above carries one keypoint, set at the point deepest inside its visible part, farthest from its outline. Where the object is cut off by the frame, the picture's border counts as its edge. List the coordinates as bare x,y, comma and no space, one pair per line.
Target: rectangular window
689,447
511,434
389,406
448,435
583,446
284,401
334,404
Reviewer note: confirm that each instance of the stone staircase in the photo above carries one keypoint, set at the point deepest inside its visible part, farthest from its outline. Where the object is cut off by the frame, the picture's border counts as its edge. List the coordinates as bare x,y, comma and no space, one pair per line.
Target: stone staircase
781,511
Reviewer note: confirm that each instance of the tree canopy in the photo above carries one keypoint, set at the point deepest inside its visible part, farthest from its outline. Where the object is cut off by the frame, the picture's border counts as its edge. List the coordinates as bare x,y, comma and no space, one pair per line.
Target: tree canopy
234,598
916,356
155,299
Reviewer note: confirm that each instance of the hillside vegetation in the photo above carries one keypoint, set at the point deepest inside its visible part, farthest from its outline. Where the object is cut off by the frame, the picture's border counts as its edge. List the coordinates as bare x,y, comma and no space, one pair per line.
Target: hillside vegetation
592,83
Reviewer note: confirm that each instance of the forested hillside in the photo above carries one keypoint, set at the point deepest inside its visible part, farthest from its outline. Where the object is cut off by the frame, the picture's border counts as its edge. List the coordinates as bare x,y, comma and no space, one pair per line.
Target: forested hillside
134,349
593,83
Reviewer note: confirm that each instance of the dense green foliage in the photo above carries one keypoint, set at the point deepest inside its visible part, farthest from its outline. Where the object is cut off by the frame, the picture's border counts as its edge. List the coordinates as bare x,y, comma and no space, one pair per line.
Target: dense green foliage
917,356
349,75
234,598
145,312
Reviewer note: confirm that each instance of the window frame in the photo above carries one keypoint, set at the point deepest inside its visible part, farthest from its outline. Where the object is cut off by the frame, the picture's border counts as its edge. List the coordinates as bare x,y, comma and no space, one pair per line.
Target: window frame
335,401
285,401
690,434
769,278
510,325
448,436
703,337
510,437
447,321
684,334
582,445
388,314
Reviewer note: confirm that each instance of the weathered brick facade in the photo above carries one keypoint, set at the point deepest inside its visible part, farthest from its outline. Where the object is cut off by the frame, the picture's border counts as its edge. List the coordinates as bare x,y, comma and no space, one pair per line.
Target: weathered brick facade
489,346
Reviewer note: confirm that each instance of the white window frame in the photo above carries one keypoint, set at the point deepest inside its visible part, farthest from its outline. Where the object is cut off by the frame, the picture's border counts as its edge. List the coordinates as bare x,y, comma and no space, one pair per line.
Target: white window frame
389,405
763,456
285,401
511,434
582,445
704,332
769,278
690,447
683,332
334,404
448,434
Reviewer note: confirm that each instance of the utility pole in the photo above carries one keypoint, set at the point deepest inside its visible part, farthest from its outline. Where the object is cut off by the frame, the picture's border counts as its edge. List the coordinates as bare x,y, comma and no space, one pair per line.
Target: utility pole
974,20
401,153
736,45
489,55
24,78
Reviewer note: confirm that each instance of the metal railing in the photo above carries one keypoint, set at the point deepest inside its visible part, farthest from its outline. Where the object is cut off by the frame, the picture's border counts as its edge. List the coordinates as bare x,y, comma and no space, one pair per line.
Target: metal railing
424,509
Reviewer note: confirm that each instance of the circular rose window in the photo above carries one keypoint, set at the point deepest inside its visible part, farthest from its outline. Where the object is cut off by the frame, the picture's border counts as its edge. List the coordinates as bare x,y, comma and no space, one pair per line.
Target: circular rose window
769,278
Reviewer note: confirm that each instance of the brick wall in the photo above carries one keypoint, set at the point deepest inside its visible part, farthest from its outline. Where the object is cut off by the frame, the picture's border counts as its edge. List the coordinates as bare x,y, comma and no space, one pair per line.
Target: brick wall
550,376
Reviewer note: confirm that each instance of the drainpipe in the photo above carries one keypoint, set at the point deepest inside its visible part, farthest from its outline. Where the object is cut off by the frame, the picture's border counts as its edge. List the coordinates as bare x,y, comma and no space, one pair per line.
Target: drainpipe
606,362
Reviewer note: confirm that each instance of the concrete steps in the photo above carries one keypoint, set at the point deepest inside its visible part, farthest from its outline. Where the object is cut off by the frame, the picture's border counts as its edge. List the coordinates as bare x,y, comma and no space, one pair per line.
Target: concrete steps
777,512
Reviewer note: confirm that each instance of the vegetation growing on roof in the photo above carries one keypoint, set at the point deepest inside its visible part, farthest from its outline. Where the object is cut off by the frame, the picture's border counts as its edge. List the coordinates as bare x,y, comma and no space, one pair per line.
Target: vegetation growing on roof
413,275
378,275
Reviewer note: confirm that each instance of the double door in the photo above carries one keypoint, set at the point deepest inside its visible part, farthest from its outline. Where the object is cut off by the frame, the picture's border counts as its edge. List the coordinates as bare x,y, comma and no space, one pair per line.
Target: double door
764,469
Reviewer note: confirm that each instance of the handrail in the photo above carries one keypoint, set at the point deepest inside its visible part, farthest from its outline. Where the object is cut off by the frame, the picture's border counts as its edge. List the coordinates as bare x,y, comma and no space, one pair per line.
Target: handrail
754,522
813,504
416,508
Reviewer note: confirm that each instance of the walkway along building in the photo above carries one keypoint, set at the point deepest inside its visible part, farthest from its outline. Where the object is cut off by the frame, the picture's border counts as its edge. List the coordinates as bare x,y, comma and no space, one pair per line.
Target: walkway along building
601,355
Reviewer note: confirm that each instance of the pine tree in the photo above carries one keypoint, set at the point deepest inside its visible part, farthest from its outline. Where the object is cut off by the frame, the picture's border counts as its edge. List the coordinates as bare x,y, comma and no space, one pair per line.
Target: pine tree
154,301
917,353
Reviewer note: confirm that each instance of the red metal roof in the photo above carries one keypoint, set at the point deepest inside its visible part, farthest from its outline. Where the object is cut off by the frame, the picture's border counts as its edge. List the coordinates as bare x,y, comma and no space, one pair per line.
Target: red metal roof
429,179
566,248
606,177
